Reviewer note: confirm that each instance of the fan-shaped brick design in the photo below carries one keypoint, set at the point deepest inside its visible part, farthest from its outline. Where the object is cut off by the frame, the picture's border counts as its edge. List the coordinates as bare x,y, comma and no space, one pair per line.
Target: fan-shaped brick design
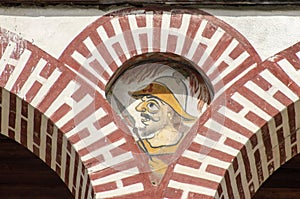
215,47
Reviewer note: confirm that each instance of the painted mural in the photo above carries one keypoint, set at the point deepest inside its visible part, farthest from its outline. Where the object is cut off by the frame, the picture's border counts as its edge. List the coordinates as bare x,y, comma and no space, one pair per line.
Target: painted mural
160,96
160,102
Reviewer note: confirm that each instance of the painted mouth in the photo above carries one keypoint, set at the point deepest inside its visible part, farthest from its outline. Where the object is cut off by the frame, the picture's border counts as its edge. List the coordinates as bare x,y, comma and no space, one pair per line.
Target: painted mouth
146,119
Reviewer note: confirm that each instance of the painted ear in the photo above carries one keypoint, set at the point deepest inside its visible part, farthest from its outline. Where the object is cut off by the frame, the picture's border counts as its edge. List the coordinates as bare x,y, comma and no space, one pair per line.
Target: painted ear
170,115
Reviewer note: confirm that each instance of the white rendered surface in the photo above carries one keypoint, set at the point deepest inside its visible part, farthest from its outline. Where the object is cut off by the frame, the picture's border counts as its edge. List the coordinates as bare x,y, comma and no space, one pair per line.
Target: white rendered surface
52,29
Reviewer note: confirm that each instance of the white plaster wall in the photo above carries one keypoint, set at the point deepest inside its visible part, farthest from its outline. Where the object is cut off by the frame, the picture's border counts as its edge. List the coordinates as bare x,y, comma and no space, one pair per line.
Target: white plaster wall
52,29
268,31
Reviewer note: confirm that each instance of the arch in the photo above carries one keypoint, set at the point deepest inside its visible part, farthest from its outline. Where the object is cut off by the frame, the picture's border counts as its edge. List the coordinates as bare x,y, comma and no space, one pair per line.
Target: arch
31,81
212,45
236,144
272,123
107,43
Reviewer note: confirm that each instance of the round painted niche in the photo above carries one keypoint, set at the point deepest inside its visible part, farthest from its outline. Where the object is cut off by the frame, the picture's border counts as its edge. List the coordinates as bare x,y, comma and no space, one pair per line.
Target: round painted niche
159,97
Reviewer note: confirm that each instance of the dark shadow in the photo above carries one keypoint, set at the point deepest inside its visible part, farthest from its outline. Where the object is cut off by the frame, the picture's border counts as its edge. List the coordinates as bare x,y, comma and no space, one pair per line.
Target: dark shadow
284,183
24,176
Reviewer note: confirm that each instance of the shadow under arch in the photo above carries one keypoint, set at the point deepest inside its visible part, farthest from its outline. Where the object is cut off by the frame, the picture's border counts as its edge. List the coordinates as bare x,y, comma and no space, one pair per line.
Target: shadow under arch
24,175
283,183
28,126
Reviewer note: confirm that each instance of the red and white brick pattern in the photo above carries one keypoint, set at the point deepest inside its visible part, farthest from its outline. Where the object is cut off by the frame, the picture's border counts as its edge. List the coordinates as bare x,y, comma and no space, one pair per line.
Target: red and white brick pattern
268,110
31,80
215,47
106,44
57,108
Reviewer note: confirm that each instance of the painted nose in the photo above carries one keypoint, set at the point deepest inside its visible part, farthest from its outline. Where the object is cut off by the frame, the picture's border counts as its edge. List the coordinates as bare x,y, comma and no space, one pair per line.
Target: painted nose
141,107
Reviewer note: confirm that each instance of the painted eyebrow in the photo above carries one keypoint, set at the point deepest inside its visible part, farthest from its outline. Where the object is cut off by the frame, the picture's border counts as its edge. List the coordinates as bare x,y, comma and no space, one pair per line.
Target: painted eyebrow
153,97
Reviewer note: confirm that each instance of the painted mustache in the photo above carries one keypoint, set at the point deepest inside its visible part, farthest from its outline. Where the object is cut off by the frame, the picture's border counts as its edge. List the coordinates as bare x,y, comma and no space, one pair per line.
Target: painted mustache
147,117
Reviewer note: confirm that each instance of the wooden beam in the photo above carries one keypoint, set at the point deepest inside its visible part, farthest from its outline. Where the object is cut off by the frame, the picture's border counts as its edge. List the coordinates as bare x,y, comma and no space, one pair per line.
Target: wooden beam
182,2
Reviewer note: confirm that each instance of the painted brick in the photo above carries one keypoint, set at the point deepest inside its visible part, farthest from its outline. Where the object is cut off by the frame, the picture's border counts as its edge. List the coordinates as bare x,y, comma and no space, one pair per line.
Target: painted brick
221,78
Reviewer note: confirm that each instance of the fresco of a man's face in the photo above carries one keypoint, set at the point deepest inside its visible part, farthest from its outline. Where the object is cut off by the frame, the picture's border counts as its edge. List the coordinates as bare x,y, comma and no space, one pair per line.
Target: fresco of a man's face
154,115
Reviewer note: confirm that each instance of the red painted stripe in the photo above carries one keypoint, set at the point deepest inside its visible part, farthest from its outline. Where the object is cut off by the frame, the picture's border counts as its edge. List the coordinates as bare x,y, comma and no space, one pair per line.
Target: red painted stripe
172,193
157,19
175,21
233,125
119,51
258,167
228,185
222,66
194,180
100,69
209,30
105,187
108,27
141,20
5,75
277,71
189,162
198,195
171,43
266,138
262,83
255,119
194,25
281,142
247,164
61,111
133,180
258,101
79,136
234,106
31,63
282,98
233,143
144,42
199,53
219,49
240,186
215,170
55,90
127,34
237,51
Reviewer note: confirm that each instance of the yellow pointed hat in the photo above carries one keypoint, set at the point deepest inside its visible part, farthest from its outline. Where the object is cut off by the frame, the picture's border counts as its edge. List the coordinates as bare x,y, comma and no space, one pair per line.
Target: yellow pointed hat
163,93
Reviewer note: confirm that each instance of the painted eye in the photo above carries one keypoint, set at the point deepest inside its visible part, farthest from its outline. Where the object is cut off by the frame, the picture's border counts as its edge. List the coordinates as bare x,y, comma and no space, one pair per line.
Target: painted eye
152,107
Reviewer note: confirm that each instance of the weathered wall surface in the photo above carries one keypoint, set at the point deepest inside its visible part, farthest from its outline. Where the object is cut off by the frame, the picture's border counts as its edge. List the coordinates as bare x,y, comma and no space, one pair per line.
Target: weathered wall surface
56,62
265,30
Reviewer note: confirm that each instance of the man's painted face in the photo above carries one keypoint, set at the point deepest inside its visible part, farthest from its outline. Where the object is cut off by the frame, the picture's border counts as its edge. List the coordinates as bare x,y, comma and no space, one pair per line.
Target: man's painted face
154,115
